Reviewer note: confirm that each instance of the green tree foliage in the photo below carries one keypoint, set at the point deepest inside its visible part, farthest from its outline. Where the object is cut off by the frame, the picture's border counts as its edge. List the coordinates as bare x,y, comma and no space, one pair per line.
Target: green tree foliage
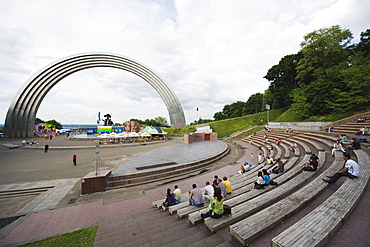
162,121
324,55
53,122
201,121
157,121
56,124
254,104
38,120
327,76
282,80
364,46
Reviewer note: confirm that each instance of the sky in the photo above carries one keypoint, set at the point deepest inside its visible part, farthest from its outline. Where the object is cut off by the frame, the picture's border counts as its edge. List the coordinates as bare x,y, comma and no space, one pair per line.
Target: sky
209,52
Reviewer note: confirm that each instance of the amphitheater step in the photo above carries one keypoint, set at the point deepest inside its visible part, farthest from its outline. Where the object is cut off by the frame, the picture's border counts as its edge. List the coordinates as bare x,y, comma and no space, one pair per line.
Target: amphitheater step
212,240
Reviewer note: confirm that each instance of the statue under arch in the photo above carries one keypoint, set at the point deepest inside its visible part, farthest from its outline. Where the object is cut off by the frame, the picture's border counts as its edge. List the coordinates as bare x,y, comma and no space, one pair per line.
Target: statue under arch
21,114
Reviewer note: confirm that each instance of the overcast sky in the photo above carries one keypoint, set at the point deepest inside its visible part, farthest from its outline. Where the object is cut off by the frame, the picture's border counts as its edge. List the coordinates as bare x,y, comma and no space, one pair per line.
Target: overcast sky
210,53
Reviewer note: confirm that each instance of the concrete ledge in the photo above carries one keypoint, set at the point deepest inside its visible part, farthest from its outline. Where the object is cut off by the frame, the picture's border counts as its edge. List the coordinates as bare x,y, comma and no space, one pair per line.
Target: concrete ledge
11,146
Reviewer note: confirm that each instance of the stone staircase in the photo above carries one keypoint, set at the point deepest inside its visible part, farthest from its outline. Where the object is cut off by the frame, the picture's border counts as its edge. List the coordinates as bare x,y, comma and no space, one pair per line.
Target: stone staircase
153,227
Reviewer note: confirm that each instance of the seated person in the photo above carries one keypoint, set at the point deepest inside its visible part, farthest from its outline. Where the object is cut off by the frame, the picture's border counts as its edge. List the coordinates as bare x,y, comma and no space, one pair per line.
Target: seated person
260,183
361,131
312,164
355,144
361,120
216,206
177,193
279,168
351,169
170,199
342,138
227,185
208,191
266,176
337,147
222,187
196,197
293,146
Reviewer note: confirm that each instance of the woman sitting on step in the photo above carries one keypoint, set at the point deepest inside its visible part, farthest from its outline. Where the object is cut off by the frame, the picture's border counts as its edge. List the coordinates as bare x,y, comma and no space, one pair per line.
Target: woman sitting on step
260,183
170,199
216,206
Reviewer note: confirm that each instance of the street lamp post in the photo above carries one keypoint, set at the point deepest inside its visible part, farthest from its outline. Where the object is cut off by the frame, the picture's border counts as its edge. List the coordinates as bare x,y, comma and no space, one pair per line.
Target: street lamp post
268,116
97,161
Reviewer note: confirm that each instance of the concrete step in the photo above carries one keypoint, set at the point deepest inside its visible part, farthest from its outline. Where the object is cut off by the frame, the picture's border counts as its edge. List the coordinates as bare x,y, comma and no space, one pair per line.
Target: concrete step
212,240
161,235
189,239
228,243
169,236
126,226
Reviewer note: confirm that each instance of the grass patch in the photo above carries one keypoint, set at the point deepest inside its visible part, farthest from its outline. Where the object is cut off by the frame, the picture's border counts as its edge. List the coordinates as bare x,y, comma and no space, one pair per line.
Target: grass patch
81,238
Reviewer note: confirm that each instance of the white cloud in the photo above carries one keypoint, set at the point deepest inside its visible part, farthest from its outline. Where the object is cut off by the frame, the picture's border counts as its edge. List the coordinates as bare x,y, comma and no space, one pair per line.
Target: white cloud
211,53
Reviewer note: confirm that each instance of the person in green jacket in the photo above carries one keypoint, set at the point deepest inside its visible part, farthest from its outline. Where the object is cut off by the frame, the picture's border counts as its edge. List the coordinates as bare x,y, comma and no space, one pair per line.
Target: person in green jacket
216,206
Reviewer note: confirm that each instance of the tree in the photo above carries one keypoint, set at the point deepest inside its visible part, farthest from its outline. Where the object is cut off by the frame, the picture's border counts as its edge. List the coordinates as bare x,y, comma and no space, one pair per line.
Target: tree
364,45
56,124
38,120
162,121
219,116
282,80
322,49
254,104
324,55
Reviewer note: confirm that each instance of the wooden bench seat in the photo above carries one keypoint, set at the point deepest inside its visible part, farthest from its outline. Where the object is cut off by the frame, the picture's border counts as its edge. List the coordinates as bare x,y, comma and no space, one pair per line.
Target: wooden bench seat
316,143
316,228
253,226
302,143
288,151
328,140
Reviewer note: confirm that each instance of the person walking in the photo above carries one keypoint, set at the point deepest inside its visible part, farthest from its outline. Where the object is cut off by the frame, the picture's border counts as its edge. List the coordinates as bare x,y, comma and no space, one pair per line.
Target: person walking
46,150
74,159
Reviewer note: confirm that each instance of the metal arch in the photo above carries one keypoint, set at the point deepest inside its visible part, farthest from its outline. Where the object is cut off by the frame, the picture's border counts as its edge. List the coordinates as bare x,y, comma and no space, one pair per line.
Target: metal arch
21,114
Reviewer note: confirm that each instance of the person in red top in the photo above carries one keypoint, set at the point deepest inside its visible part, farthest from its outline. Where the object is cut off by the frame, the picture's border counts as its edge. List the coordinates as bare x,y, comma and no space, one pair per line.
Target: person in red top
74,158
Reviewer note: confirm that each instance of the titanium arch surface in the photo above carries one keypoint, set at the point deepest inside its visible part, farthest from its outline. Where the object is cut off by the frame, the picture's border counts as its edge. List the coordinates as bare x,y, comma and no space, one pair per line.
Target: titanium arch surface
21,114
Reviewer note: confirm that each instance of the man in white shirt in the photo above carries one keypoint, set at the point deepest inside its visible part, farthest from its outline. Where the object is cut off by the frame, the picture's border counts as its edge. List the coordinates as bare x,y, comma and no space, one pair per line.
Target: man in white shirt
351,169
208,191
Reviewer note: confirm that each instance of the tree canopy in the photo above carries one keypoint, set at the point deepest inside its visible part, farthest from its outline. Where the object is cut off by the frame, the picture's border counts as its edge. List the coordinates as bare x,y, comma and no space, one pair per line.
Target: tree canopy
327,75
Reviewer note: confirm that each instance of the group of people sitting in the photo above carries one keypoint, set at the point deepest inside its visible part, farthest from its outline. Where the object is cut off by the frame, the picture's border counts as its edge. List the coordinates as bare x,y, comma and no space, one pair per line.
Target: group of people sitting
263,179
363,131
353,144
244,168
214,194
361,119
33,143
